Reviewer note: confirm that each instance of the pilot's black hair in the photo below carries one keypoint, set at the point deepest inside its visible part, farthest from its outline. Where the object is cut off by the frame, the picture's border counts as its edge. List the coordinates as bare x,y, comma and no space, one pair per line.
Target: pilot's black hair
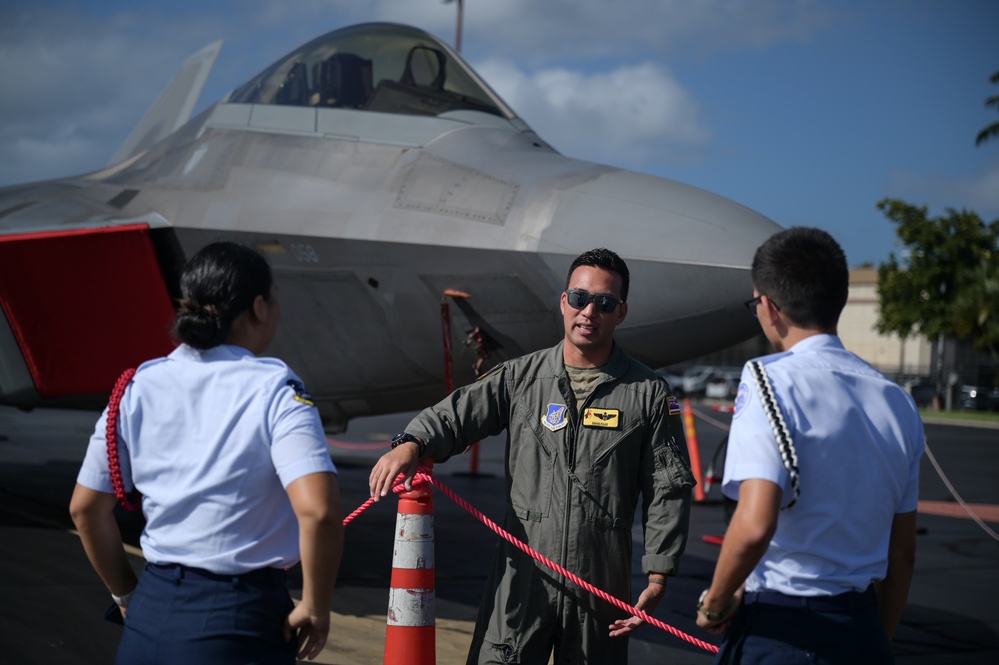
218,284
606,259
803,271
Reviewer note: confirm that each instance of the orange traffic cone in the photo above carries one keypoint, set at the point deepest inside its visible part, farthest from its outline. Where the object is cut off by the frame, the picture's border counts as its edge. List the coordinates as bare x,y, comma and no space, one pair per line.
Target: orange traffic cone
410,636
693,449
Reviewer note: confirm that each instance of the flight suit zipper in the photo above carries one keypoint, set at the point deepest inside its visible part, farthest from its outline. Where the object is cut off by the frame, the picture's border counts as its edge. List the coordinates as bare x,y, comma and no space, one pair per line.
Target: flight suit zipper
575,425
570,460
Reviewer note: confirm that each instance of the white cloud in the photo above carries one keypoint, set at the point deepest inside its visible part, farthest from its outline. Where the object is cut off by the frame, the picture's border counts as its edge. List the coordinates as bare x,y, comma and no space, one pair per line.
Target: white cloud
978,192
982,192
556,29
72,87
636,110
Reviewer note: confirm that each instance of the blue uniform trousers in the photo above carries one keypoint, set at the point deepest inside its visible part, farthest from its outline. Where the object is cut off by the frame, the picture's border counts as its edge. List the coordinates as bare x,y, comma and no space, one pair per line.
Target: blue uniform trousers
775,629
194,617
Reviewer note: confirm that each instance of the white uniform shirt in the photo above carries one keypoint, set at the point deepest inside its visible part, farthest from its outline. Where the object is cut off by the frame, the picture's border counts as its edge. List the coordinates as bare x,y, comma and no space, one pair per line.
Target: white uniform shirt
858,438
212,439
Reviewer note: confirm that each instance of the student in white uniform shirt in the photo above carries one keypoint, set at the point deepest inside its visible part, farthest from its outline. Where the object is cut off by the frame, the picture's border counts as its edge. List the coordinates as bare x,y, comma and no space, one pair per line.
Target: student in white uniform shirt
236,483
826,570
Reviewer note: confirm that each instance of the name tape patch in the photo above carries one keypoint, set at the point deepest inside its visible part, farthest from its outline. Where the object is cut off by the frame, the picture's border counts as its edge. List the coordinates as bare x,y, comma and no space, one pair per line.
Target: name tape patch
608,418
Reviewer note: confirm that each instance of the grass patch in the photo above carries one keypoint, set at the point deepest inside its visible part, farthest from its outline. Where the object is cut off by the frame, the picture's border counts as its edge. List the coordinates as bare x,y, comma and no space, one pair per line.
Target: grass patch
977,416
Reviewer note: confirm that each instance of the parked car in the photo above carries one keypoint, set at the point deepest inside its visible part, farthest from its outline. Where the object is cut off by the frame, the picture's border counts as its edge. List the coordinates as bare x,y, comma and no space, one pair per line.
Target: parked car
973,398
723,385
695,380
923,394
674,380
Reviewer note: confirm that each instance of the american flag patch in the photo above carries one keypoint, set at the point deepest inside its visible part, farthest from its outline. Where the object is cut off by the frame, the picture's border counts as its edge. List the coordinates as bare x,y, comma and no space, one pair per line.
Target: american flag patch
673,404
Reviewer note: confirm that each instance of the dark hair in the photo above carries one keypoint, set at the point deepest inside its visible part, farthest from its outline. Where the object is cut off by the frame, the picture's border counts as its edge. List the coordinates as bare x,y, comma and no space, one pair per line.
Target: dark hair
218,284
803,270
606,259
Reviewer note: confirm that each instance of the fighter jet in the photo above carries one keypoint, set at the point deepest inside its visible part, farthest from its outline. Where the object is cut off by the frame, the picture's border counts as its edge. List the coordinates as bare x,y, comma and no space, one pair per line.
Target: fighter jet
401,204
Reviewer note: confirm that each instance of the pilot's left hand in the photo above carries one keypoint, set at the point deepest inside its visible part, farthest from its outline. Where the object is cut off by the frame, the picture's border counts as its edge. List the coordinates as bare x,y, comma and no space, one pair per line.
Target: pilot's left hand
648,601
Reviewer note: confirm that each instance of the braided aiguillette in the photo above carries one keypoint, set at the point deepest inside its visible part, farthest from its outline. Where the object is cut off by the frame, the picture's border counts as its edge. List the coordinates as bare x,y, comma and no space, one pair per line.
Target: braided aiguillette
784,442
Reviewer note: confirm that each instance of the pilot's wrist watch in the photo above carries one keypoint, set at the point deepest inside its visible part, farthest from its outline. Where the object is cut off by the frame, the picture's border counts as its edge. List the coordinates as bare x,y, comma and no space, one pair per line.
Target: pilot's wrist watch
403,437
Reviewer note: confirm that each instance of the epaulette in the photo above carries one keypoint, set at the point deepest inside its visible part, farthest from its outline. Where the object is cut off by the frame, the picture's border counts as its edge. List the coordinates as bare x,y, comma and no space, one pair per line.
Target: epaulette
491,372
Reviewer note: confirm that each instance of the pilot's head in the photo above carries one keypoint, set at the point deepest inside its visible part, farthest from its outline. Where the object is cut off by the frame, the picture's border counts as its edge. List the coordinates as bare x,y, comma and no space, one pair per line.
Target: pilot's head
606,259
594,301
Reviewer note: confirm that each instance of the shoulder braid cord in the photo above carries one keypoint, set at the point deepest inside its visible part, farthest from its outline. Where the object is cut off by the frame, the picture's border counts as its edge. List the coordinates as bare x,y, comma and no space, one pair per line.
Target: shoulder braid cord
784,442
114,466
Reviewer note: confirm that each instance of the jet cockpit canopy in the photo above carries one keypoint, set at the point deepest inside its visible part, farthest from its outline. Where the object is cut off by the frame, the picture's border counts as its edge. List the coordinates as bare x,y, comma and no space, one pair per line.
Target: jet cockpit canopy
380,67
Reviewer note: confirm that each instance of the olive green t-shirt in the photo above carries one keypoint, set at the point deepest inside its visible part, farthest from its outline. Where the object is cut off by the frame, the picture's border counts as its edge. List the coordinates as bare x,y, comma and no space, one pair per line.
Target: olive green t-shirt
583,380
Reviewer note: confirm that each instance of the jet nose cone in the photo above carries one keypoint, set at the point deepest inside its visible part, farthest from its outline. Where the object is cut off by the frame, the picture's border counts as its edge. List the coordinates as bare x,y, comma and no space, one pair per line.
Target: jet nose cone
664,220
689,253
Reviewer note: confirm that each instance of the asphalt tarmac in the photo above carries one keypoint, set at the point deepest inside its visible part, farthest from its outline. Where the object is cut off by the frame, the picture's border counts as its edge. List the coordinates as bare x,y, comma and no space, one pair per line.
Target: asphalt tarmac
52,603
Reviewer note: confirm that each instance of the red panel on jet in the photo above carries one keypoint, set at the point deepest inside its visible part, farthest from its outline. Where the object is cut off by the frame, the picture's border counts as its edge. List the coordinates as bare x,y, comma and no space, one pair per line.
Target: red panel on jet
84,305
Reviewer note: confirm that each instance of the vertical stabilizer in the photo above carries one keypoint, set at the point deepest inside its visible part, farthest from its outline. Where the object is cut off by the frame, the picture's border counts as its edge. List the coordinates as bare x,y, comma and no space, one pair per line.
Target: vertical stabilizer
174,105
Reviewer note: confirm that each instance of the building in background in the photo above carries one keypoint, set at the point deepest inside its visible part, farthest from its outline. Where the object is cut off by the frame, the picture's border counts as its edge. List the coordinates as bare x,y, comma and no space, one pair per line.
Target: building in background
959,374
903,360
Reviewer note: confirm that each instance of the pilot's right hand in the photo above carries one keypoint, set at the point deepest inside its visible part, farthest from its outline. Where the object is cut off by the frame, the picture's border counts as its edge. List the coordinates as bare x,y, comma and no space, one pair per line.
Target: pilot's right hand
401,459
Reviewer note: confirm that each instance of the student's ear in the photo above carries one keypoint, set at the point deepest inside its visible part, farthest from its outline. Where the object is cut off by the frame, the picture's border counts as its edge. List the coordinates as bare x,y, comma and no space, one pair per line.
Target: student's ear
260,309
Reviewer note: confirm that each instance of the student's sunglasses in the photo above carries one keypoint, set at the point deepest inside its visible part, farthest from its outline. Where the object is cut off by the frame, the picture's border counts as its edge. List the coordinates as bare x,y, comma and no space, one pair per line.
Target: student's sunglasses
604,303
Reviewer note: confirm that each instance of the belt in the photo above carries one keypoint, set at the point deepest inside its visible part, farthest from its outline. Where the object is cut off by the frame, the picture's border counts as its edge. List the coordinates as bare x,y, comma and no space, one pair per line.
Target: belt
261,575
844,602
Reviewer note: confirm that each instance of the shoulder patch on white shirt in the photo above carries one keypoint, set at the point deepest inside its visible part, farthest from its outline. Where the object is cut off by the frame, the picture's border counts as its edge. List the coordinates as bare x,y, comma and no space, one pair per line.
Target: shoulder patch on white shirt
301,394
741,398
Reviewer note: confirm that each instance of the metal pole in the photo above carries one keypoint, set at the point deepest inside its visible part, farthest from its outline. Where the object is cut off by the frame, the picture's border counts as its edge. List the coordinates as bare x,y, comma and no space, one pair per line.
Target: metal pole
446,329
457,37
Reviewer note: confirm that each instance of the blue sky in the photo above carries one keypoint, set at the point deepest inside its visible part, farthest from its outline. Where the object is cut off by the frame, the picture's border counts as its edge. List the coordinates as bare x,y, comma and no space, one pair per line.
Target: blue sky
808,112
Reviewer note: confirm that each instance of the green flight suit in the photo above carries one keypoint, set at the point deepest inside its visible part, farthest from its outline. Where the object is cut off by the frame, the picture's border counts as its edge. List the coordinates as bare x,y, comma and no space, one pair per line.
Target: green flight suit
572,491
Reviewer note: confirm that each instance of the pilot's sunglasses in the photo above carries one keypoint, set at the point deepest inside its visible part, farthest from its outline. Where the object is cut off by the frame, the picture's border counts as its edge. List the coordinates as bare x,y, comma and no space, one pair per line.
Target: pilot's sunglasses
605,304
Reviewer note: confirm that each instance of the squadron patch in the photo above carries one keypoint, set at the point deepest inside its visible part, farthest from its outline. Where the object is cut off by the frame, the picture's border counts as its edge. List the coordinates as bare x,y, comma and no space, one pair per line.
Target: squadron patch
301,394
607,418
673,404
555,418
741,398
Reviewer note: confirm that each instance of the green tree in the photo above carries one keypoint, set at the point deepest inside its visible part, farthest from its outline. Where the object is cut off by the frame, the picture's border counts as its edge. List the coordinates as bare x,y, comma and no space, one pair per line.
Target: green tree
948,281
992,102
976,309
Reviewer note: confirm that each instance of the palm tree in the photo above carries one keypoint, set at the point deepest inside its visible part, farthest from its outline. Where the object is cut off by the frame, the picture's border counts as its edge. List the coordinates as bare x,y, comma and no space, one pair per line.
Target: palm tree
993,129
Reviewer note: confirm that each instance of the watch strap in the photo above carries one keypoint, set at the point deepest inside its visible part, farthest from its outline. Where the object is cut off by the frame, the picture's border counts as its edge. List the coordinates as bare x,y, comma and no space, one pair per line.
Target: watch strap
122,600
409,438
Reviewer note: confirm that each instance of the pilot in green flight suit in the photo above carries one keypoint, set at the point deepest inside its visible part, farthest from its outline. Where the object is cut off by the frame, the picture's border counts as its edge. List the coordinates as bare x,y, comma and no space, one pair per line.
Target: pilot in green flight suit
588,431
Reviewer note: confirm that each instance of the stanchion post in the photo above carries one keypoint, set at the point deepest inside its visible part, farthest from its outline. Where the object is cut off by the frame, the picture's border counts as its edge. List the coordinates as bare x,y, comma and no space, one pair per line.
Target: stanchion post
449,363
693,449
410,635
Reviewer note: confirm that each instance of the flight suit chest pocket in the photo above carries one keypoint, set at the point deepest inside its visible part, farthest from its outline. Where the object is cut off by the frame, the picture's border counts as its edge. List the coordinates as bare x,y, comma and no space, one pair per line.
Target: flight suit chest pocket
531,461
672,470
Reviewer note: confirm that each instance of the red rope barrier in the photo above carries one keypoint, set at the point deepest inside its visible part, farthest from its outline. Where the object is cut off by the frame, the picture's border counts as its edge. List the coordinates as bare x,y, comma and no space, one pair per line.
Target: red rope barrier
111,431
364,506
498,530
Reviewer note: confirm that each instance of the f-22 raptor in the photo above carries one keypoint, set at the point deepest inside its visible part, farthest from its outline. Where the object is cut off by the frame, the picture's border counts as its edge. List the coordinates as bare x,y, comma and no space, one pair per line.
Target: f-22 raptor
382,177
